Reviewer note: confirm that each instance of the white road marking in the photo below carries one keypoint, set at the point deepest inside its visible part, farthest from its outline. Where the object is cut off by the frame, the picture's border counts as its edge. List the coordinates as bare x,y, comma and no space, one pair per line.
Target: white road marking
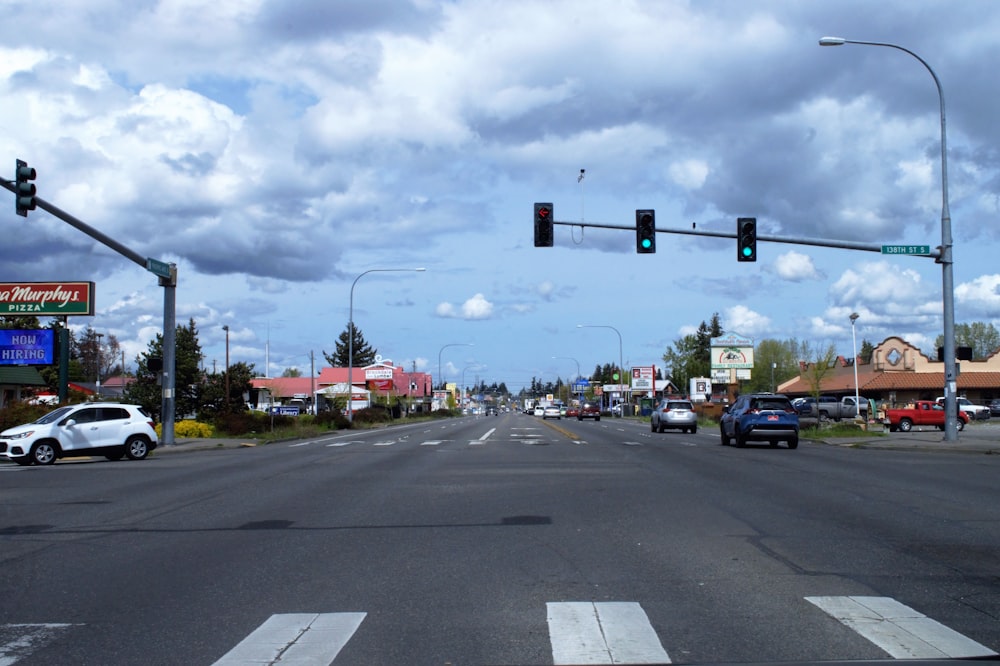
586,632
431,442
295,639
390,443
346,443
898,629
19,640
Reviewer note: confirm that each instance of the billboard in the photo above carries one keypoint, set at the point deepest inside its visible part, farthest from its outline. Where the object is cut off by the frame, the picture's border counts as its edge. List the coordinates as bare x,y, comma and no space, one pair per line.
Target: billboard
27,347
732,352
46,298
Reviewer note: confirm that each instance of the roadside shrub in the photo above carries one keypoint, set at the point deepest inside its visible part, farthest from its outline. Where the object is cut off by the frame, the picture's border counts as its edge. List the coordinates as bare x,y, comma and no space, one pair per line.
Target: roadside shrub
372,415
332,419
19,413
445,413
237,423
189,429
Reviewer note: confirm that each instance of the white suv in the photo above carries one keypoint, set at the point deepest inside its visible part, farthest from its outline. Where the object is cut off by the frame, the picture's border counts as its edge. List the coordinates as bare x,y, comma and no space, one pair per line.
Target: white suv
103,428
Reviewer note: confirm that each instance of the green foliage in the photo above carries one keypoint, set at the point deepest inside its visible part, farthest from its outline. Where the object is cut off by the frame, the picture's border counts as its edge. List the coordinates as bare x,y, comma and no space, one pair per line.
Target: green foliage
360,349
146,390
19,413
691,356
213,393
372,415
981,336
189,429
333,419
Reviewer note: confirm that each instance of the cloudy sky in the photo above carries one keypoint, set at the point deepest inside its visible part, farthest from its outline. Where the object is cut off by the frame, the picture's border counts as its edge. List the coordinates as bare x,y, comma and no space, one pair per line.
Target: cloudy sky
276,150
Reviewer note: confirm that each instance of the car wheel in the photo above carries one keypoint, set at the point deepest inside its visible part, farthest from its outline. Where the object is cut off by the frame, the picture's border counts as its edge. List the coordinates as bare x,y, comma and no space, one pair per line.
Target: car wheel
741,439
906,425
660,427
694,430
961,425
722,432
43,453
136,447
793,443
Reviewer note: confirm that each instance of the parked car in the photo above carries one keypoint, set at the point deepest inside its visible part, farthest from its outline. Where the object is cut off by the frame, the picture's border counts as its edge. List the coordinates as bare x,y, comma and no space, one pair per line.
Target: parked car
589,410
674,414
110,429
768,417
538,410
974,411
920,413
830,407
995,407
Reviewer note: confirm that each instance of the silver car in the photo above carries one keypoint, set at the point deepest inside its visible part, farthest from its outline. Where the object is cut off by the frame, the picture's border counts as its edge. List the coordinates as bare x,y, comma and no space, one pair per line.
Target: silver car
674,414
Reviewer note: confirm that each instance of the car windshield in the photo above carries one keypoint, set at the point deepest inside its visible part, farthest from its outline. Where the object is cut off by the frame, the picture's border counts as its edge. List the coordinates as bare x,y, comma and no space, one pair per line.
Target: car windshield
55,415
765,404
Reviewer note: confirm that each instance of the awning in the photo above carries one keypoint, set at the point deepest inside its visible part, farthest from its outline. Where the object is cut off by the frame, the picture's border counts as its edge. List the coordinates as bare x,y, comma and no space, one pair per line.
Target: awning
20,375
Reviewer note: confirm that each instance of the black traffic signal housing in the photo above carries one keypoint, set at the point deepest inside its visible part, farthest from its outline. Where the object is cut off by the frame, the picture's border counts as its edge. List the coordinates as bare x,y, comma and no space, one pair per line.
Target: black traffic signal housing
543,225
645,231
746,239
24,189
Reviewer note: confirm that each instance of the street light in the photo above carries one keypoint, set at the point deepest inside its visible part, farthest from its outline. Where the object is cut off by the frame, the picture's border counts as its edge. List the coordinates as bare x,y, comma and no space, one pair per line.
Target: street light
350,335
946,261
570,358
854,340
225,328
621,368
450,344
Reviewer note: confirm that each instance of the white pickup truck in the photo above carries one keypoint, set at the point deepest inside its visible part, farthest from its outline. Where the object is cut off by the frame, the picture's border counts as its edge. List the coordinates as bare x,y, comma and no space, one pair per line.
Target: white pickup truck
975,412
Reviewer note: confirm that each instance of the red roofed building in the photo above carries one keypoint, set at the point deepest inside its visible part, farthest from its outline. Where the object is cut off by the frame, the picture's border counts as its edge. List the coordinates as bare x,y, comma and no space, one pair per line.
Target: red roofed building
899,373
381,378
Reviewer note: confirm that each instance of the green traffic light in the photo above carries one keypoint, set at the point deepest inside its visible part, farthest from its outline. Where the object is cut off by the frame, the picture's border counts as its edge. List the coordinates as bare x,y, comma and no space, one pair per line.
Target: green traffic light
646,242
747,252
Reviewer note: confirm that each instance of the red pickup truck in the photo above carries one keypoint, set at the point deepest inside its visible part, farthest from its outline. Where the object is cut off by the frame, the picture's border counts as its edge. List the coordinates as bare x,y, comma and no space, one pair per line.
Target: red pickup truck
922,413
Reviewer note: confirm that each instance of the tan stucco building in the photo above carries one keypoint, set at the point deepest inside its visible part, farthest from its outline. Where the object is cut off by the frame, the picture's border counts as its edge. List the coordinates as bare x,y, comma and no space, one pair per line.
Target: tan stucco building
898,373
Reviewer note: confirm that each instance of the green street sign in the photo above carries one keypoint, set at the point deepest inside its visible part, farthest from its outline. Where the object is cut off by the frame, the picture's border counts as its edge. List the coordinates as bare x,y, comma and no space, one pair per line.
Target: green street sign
157,267
906,249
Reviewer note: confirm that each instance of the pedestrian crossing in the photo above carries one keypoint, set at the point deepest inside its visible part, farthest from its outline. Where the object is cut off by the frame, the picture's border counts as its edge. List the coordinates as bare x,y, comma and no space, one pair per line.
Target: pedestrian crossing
579,632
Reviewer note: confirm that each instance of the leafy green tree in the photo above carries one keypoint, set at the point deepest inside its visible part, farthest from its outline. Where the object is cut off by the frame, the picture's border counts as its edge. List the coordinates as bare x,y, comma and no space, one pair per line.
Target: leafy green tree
691,355
214,400
783,354
983,337
362,352
867,349
146,390
291,372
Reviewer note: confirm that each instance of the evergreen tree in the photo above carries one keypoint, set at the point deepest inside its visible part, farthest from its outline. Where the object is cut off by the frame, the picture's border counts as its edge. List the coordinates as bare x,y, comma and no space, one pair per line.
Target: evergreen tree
213,396
146,390
363,353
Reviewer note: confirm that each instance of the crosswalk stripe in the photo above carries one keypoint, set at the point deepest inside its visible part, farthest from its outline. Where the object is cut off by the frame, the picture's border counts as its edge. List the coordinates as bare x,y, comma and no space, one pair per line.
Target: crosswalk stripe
585,632
431,442
898,629
25,638
295,639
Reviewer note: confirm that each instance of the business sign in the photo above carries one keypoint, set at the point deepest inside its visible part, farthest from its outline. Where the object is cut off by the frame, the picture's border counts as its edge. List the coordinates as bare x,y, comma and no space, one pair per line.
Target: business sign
27,347
46,298
732,352
642,378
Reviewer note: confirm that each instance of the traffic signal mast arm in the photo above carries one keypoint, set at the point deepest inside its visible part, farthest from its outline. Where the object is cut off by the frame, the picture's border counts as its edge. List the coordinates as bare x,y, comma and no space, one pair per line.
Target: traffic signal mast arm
793,240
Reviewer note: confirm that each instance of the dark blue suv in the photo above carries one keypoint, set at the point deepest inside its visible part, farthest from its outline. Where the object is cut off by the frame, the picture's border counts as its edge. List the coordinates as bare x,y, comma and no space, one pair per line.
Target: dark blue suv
760,417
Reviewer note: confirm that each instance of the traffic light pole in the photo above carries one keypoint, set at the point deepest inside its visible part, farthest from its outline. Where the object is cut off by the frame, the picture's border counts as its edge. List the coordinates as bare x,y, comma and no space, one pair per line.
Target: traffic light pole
794,240
167,274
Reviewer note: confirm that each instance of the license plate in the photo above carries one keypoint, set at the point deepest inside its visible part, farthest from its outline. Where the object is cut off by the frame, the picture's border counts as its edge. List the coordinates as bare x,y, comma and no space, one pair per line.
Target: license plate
773,417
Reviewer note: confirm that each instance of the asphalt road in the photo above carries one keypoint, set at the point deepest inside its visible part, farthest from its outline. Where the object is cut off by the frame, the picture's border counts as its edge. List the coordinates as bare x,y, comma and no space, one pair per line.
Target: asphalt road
500,540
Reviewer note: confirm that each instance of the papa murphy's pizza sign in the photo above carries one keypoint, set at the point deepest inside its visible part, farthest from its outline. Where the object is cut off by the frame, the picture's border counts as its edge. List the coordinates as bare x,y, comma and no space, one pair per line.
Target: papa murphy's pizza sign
46,298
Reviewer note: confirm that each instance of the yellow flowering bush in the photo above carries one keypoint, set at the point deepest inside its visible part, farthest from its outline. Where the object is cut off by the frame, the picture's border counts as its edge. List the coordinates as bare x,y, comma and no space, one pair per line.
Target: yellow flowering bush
187,429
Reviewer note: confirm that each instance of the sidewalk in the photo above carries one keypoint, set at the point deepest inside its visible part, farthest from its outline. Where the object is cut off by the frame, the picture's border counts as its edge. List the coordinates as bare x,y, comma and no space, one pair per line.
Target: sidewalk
975,438
206,444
